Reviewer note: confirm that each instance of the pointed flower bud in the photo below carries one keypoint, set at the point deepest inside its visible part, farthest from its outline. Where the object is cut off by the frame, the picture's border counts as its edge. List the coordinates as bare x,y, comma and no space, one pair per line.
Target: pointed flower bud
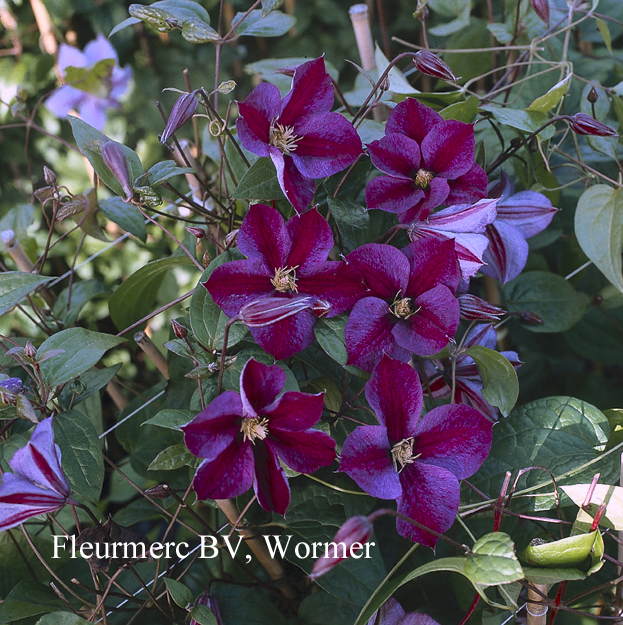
592,96
30,351
209,601
474,308
49,176
350,539
206,259
158,492
199,233
431,65
230,238
268,310
179,330
541,8
321,308
117,162
584,124
527,316
181,113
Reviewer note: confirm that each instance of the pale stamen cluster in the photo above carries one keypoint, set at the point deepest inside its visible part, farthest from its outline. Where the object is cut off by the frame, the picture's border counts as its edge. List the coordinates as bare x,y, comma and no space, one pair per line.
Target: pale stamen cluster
402,453
255,428
285,280
283,138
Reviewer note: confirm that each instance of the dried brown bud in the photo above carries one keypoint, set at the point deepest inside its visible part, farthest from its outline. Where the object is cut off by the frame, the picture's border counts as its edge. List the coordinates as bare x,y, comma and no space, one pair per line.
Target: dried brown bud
49,176
584,124
181,113
116,160
592,96
230,239
200,233
158,492
384,84
541,8
179,330
431,65
207,259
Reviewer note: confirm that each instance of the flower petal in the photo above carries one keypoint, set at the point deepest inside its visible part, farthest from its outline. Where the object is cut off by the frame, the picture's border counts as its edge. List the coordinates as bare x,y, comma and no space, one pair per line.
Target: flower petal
215,427
64,100
412,119
311,93
294,411
68,56
327,144
455,437
259,386
464,218
99,49
448,149
366,457
470,187
298,189
394,195
430,497
396,155
507,253
385,269
435,194
256,114
530,212
92,110
433,262
287,337
311,241
394,392
304,452
270,482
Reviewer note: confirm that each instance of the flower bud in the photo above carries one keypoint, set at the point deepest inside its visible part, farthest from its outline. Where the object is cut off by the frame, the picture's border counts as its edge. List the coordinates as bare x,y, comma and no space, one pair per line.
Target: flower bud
541,8
209,601
206,259
584,124
474,308
13,385
321,308
384,84
117,162
199,233
29,350
527,316
230,239
268,310
352,535
179,330
49,176
181,113
431,65
158,492
592,96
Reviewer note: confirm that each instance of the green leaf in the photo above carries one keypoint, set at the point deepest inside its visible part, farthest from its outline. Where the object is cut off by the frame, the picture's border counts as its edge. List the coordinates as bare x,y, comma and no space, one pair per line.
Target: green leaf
171,419
126,216
270,5
195,30
274,24
15,285
160,172
451,8
493,561
171,458
81,294
501,32
552,98
91,80
259,182
180,593
82,350
207,320
61,618
552,576
352,221
265,69
583,551
462,111
526,121
332,393
81,453
129,21
330,334
500,386
90,142
562,434
549,296
28,598
203,615
93,380
605,33
240,605
397,82
136,297
599,229
612,516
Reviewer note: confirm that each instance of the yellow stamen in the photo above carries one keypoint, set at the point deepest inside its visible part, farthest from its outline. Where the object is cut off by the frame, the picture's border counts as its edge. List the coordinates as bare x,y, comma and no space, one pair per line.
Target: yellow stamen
285,280
423,178
402,453
403,307
254,428
283,138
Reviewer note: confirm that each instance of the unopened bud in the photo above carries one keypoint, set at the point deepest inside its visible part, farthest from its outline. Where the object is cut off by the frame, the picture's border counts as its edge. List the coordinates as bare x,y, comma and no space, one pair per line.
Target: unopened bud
158,492
321,308
116,160
592,96
206,259
527,316
49,176
541,8
421,10
584,124
209,601
199,233
230,239
286,71
179,330
268,310
353,535
431,65
30,350
181,113
77,387
474,308
384,84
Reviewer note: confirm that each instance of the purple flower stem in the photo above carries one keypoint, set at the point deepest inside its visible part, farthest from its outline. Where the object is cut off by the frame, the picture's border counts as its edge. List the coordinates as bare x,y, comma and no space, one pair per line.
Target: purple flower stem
471,609
426,382
194,120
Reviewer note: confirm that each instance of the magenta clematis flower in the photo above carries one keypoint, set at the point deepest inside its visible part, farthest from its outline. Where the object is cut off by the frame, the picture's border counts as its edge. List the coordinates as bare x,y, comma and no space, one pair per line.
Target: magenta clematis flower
38,484
303,139
285,260
243,436
417,461
465,224
520,216
90,106
391,613
410,307
429,161
468,387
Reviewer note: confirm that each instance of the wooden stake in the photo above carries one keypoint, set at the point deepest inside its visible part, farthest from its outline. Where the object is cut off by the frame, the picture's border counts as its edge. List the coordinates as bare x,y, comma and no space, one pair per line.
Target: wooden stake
151,351
536,613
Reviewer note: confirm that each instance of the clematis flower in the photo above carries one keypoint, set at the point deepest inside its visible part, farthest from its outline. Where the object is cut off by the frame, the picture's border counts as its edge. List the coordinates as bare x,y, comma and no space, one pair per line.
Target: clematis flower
243,436
410,307
468,385
303,139
92,105
519,217
285,260
391,613
417,461
38,484
429,161
465,224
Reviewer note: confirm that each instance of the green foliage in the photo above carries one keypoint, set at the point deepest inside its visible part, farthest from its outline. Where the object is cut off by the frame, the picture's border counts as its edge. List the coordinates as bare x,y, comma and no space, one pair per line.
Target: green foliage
15,286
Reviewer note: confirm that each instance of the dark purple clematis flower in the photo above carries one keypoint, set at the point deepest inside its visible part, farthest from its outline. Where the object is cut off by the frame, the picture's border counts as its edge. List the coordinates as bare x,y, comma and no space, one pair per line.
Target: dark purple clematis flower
391,613
302,138
410,307
285,260
520,216
417,461
429,161
243,436
38,484
468,388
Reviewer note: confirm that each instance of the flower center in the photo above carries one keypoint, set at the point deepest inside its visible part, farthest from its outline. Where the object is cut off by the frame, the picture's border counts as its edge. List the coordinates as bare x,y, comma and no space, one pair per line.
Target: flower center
285,280
254,428
423,178
403,307
283,138
402,454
